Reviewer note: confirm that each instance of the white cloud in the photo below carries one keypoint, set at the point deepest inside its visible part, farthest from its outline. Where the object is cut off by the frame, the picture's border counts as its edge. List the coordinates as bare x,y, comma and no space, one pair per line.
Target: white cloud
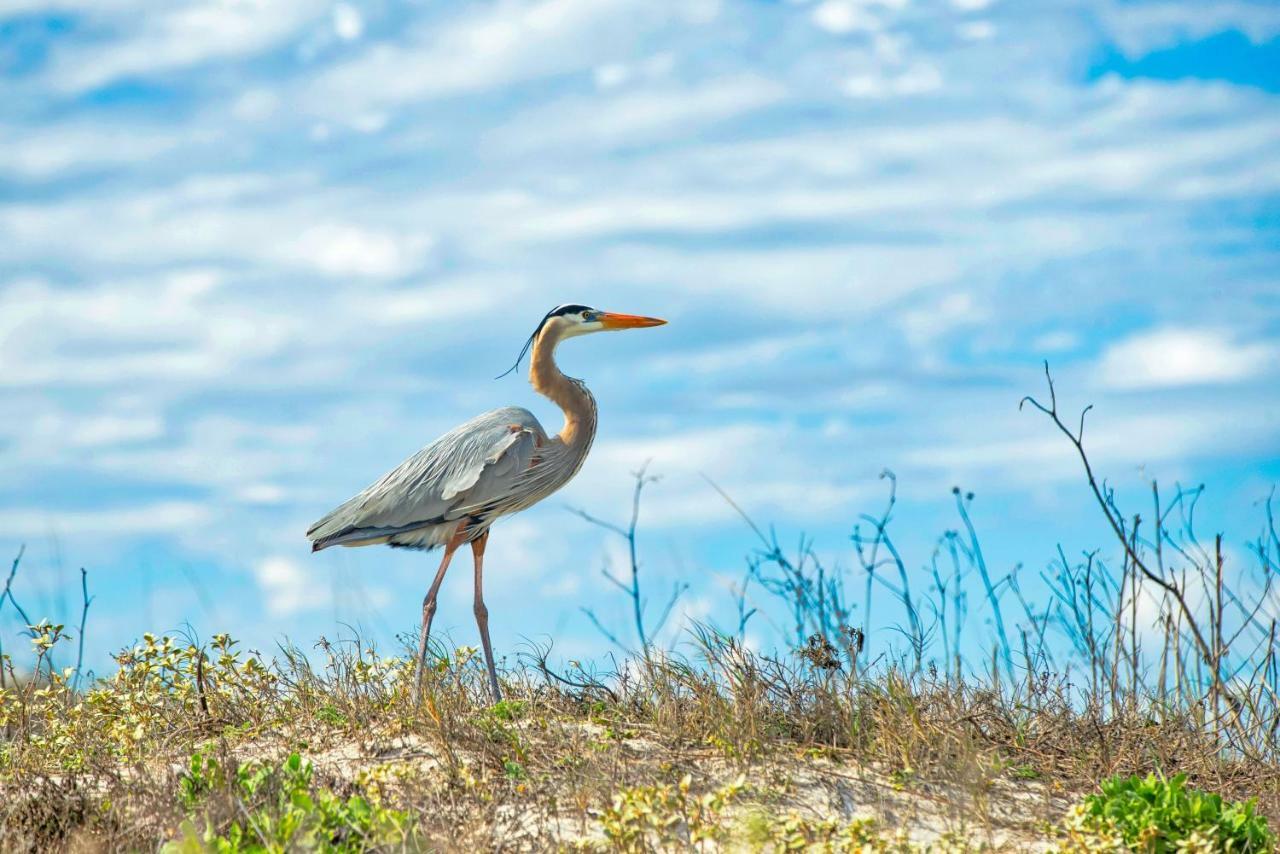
481,49
767,468
220,450
613,74
847,16
838,16
1142,27
1178,356
707,450
842,282
1056,341
800,178
914,80
288,589
340,249
737,356
41,153
262,493
180,35
348,23
610,75
976,30
438,302
115,429
255,105
636,116
926,323
121,7
140,329
165,517
251,217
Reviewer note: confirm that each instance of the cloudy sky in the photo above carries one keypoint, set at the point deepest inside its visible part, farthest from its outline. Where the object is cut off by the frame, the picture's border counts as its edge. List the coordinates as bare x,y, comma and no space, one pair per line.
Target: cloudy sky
255,252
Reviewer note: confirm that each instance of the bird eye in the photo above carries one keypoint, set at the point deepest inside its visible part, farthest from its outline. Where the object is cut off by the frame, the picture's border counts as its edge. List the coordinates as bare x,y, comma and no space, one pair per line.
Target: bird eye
590,316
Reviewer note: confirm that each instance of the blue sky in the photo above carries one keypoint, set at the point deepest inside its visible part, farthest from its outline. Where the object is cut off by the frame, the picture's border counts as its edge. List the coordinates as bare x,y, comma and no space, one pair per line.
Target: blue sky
252,254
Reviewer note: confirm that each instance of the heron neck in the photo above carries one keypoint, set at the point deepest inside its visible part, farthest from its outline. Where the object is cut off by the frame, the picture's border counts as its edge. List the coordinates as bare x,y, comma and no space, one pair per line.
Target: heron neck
569,394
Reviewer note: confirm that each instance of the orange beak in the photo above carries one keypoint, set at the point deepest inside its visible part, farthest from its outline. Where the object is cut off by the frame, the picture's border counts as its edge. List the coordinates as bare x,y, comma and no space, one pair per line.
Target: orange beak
627,321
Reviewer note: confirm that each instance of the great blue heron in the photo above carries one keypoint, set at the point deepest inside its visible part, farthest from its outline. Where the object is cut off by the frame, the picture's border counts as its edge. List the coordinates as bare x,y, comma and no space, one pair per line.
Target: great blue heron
451,491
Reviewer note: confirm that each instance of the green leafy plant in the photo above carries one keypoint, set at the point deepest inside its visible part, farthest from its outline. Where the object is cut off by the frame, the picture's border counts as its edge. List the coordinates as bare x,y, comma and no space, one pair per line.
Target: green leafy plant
331,715
203,775
508,710
793,832
283,812
644,818
1160,815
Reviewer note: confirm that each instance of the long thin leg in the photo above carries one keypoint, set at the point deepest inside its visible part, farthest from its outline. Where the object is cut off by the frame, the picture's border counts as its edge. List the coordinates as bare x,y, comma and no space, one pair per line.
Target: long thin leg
429,609
482,613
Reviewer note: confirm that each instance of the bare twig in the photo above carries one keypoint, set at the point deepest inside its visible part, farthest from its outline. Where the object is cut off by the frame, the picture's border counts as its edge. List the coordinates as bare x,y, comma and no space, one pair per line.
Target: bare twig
84,616
632,590
1107,503
8,587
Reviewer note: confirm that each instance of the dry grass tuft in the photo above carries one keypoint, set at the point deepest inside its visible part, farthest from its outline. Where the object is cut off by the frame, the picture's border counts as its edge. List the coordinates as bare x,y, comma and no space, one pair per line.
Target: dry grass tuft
730,749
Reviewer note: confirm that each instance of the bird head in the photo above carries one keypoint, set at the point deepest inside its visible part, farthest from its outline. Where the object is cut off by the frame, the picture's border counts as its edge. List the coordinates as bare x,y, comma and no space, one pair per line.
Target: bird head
570,320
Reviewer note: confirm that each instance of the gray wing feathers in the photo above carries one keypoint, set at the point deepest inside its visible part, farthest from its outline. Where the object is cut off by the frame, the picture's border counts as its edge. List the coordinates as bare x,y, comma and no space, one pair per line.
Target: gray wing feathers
466,469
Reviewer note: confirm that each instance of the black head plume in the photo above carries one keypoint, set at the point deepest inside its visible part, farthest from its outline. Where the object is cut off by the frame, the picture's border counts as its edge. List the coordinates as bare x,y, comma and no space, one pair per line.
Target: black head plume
558,311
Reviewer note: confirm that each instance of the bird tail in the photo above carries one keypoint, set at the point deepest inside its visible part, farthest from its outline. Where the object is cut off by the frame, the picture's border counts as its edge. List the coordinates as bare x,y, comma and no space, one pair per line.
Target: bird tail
418,535
356,537
350,537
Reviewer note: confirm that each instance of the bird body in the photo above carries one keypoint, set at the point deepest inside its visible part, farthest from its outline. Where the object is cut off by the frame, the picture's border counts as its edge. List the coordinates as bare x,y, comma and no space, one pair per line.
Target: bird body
451,492
495,464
